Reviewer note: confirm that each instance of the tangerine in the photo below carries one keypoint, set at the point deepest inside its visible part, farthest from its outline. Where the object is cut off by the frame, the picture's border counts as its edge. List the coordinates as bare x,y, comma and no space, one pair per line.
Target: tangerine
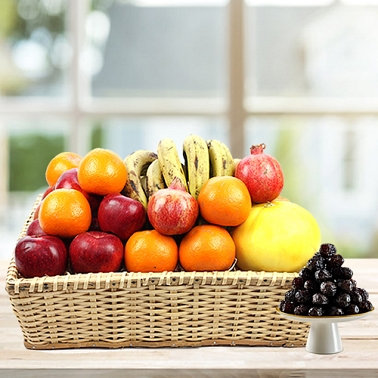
150,251
65,213
225,201
207,247
102,172
59,164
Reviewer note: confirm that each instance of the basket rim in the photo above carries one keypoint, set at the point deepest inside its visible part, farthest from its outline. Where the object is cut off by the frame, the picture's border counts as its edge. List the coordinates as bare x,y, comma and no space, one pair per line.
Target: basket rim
126,280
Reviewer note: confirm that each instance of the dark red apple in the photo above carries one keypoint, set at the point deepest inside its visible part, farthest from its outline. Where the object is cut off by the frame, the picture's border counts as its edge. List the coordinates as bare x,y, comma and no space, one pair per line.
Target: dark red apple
34,229
96,251
38,256
172,211
121,215
69,180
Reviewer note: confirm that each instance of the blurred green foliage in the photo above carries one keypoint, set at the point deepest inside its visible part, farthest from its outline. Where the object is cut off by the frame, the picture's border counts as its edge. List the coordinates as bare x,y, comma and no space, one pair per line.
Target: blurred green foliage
40,22
97,136
8,17
17,27
29,157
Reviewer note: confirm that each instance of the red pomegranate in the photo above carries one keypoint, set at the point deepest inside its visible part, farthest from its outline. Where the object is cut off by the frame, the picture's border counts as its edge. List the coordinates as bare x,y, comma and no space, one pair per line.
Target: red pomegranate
172,211
262,174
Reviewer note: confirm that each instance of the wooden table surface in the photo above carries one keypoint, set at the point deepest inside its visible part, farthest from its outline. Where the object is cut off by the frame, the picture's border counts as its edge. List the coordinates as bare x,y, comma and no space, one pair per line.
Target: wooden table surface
358,359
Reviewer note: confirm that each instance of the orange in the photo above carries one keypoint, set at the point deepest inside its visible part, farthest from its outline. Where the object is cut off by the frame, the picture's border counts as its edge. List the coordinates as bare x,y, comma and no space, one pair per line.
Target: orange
207,247
225,201
59,164
65,213
102,172
150,251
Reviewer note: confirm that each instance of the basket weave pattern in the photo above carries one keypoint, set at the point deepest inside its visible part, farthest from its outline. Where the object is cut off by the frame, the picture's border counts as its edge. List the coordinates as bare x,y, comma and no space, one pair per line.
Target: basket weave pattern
173,309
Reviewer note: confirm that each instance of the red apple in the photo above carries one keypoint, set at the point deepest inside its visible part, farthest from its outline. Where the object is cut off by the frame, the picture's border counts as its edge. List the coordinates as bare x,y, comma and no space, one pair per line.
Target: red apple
69,180
172,211
38,256
47,191
96,251
121,215
36,211
34,229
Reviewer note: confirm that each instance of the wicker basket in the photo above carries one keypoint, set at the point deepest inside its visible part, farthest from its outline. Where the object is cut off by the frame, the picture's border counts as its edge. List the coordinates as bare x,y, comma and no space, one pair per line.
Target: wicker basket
170,309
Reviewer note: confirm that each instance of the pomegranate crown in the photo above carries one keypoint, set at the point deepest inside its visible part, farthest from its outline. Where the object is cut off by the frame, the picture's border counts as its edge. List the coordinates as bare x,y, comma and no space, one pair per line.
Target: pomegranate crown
177,184
258,149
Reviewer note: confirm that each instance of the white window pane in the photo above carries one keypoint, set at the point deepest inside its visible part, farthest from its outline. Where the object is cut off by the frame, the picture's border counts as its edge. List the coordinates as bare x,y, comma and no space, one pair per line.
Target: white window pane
166,51
328,51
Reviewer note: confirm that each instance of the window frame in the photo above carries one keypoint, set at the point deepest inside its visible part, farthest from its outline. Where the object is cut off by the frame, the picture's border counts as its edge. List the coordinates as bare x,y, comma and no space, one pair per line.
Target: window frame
79,106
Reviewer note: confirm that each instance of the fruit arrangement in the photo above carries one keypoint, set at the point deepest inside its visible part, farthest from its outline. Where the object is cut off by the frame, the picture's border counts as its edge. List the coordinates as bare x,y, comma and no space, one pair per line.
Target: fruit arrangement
325,287
150,212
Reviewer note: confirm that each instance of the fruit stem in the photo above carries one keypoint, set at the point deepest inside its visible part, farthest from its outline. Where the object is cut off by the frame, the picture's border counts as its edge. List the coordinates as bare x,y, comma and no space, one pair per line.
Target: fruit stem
269,204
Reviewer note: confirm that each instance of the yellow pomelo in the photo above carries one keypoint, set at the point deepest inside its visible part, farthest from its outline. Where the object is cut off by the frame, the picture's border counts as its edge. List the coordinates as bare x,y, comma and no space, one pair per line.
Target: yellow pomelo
278,236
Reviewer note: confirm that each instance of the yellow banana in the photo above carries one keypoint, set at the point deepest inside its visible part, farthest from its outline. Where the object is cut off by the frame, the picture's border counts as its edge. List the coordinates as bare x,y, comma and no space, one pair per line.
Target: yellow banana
170,163
221,160
231,165
136,165
197,163
155,179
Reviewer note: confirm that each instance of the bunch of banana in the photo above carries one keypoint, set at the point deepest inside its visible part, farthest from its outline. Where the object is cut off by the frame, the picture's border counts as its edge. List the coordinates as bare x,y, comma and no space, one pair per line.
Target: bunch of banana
137,164
221,160
149,172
